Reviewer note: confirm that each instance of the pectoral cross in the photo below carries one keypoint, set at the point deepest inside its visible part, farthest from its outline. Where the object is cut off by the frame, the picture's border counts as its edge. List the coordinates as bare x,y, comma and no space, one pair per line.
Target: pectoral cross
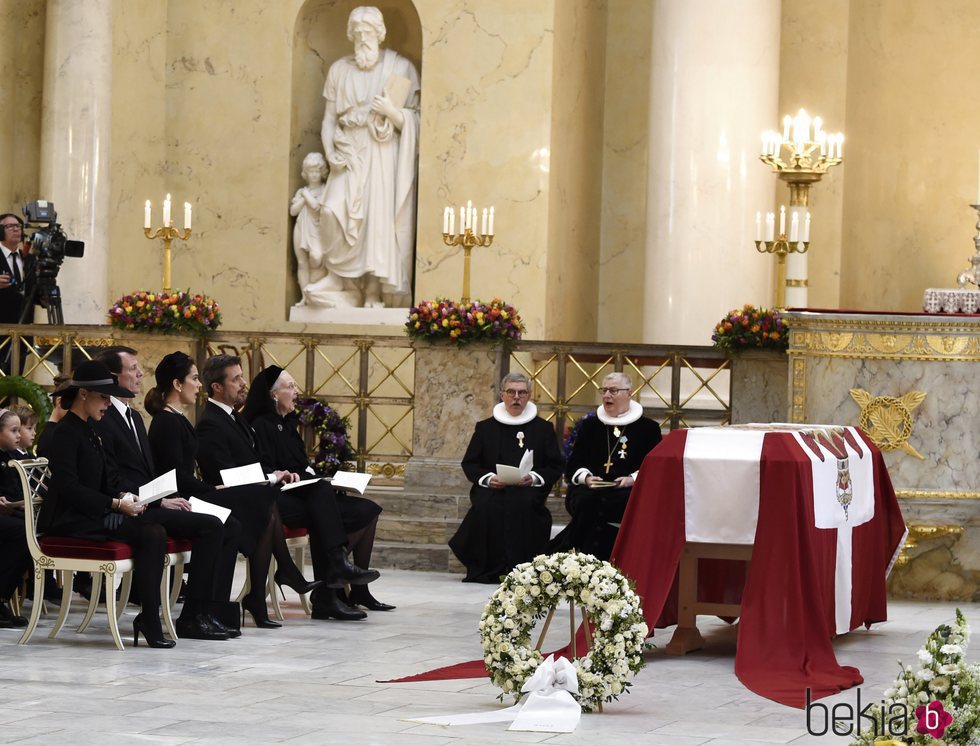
608,464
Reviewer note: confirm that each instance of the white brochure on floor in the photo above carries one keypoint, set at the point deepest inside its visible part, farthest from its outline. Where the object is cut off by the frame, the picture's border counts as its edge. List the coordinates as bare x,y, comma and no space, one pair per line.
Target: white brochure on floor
239,475
549,706
204,507
163,486
514,474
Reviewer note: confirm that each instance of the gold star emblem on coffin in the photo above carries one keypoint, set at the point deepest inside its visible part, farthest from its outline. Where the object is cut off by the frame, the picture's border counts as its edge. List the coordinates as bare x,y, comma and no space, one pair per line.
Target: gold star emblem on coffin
888,420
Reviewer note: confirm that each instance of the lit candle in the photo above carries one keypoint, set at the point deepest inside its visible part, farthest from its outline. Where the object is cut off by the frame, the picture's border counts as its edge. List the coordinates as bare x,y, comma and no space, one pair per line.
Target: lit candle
794,228
452,221
445,220
782,220
469,214
806,228
485,213
462,220
758,226
770,225
840,145
787,121
147,220
187,216
822,140
491,221
166,212
765,143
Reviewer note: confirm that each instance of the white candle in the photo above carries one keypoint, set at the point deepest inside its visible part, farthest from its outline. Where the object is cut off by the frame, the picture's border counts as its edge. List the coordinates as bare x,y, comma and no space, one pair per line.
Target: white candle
758,226
770,225
187,216
787,120
840,145
782,220
469,214
147,220
806,228
462,220
794,228
452,221
485,213
445,220
491,221
166,212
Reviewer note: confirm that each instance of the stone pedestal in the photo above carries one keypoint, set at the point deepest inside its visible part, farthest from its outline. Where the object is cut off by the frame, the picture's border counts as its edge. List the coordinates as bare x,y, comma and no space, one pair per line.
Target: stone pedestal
760,391
454,388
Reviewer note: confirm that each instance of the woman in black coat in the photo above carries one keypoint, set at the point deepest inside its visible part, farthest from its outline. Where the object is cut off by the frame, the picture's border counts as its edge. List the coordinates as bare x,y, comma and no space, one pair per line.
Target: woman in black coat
269,409
174,444
84,501
15,557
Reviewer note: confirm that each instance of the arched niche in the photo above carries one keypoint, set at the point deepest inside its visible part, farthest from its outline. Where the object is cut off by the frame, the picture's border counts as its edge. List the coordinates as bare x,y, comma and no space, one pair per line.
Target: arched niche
319,39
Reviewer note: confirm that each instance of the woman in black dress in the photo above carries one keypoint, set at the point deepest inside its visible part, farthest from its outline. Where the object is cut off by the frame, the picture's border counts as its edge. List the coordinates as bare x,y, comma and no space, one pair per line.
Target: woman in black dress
270,410
15,558
83,498
174,444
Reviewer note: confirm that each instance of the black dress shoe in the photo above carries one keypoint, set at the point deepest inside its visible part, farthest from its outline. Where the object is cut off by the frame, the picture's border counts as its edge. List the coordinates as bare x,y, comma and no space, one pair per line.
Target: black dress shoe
230,631
199,627
341,572
8,619
329,606
361,596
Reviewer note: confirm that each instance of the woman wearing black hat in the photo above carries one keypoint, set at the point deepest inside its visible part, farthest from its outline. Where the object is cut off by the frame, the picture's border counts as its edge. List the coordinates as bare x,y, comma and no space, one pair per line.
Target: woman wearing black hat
174,444
269,409
83,500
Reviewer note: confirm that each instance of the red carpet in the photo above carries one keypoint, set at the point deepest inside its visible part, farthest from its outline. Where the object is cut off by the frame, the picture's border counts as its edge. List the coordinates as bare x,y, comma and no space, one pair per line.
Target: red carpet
469,670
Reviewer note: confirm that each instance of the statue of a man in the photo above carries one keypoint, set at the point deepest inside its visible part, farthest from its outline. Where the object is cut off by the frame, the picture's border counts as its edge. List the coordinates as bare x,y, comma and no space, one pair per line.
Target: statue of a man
370,136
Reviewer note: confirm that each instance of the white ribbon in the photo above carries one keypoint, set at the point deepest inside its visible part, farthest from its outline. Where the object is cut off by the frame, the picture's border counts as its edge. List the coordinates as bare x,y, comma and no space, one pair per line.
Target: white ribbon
548,706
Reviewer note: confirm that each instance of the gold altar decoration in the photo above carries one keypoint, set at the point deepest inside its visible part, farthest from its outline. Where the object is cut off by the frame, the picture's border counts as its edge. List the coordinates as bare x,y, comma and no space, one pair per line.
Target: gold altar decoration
467,236
918,534
888,420
799,156
168,233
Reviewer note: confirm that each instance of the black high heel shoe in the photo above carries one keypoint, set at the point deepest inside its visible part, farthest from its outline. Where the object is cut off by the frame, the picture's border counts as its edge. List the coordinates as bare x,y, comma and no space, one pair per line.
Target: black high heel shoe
153,642
302,586
260,614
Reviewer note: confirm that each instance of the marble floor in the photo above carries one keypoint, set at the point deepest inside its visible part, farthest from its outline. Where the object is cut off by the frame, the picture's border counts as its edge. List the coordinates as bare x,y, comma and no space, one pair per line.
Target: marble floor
318,682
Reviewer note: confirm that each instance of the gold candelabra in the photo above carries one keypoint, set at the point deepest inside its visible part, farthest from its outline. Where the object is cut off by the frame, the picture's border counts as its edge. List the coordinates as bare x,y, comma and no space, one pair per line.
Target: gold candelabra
467,237
168,233
799,156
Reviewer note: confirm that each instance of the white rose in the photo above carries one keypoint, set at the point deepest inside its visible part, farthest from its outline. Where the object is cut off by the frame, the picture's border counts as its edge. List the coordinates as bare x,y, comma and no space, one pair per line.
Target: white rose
509,624
535,591
617,688
546,577
552,590
925,656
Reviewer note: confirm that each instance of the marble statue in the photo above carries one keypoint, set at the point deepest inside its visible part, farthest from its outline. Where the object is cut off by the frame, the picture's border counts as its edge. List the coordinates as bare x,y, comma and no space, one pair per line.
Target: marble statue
305,207
370,136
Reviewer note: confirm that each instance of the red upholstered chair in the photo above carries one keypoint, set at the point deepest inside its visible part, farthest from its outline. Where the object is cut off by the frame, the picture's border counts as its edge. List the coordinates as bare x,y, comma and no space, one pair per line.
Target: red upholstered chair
106,560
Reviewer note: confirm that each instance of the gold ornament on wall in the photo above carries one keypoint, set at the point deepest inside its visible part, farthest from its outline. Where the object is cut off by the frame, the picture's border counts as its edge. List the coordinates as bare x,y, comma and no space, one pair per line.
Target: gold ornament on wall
888,420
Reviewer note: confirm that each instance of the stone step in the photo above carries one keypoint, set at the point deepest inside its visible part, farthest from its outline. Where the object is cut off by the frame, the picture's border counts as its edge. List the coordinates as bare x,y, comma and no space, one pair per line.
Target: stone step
407,556
416,530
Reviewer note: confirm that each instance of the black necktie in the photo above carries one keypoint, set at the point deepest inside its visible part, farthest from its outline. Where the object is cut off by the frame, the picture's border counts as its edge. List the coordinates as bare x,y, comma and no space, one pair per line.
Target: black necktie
132,426
14,268
243,424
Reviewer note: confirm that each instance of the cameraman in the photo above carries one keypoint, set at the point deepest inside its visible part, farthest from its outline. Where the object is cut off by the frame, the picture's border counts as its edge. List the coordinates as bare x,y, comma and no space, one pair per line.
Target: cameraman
14,268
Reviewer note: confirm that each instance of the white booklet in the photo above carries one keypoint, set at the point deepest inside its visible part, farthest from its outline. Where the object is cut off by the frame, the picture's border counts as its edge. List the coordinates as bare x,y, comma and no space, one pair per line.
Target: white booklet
514,474
203,506
300,483
163,486
351,480
239,475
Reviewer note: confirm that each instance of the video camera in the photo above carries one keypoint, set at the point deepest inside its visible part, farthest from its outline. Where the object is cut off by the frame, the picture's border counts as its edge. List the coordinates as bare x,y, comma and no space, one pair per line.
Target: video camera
50,245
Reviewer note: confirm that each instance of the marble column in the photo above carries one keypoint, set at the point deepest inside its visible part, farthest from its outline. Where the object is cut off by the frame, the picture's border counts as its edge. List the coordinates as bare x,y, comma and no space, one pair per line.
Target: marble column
75,129
714,90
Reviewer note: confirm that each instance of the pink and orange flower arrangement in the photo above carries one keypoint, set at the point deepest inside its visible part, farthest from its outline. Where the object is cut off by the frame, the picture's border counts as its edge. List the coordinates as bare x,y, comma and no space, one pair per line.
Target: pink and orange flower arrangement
749,328
166,313
444,319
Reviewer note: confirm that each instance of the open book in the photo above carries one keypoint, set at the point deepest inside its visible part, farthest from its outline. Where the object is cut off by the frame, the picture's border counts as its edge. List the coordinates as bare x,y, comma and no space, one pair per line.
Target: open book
514,474
163,486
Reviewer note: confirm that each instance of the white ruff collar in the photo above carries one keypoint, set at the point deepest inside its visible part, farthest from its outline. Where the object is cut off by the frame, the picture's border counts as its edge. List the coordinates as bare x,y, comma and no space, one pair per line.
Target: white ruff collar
501,416
635,412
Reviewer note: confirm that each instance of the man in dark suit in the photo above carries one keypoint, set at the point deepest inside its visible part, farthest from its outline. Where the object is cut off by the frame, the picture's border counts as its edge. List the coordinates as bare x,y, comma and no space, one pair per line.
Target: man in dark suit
15,272
214,546
227,441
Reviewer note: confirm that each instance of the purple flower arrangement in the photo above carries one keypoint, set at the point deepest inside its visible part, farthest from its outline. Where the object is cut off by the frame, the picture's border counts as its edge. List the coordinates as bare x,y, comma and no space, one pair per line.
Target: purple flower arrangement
333,449
444,319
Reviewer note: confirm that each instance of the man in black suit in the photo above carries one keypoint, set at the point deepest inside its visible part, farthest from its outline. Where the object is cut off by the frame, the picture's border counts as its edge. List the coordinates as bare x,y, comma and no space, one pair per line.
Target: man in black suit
227,441
15,270
214,549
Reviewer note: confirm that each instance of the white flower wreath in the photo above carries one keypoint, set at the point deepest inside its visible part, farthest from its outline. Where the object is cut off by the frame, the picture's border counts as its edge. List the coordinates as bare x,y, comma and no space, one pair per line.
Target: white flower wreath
531,590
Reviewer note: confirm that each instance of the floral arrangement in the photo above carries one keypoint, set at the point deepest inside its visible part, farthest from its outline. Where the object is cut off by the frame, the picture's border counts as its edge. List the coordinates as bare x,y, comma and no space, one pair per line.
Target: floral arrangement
333,448
750,327
937,703
531,590
167,313
464,322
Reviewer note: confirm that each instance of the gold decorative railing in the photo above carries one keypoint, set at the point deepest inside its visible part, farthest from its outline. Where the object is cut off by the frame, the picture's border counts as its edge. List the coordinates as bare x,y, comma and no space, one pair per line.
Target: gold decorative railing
371,380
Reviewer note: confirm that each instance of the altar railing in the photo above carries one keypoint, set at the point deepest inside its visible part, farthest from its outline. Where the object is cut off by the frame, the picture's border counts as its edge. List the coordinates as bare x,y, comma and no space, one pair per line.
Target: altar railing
371,380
